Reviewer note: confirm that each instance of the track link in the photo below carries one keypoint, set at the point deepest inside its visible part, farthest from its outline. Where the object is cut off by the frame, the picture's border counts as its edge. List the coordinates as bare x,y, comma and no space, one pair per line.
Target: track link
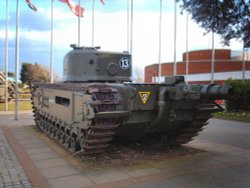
187,134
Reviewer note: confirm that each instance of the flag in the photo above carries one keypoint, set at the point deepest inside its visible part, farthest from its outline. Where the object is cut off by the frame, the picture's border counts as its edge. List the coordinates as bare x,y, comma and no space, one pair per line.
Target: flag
102,1
76,9
33,7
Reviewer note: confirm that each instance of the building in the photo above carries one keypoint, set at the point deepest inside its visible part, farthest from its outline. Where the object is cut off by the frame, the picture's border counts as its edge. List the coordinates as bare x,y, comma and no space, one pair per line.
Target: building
227,64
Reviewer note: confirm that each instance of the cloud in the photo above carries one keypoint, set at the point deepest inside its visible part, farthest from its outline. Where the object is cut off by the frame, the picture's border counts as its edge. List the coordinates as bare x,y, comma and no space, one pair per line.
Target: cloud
34,21
110,34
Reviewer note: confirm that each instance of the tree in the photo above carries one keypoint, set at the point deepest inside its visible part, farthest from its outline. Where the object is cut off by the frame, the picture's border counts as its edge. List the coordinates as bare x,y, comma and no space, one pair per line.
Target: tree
11,74
228,18
25,72
40,73
34,73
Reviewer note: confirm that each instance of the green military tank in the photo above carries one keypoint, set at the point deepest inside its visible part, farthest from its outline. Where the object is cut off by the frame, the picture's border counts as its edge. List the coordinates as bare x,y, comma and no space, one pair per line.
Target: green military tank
97,101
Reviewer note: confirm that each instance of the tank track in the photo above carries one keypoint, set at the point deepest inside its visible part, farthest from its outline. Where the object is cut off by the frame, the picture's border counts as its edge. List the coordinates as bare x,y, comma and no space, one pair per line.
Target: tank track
97,137
185,135
106,104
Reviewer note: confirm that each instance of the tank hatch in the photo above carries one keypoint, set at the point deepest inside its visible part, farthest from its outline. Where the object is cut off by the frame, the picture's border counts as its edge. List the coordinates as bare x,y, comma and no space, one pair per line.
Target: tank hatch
86,64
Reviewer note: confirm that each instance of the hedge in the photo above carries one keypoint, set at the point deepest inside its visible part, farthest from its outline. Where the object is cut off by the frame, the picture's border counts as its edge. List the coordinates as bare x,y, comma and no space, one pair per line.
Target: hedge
241,97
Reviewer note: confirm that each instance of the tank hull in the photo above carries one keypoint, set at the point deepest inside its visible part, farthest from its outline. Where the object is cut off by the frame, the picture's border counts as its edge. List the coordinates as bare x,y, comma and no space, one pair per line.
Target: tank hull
85,117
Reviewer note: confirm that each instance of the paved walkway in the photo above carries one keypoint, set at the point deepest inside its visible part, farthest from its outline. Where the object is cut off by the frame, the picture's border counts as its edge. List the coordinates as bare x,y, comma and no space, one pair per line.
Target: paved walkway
12,173
29,159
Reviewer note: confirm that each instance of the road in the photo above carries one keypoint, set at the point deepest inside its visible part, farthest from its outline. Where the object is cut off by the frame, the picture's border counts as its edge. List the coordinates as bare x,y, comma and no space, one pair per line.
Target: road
227,142
232,133
30,159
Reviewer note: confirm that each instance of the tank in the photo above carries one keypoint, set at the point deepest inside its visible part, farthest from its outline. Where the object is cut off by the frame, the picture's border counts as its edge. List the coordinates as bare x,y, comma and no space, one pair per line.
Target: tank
11,89
97,102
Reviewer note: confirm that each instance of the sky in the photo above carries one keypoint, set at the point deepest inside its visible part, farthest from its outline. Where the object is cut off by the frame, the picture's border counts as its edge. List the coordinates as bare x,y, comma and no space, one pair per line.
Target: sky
110,32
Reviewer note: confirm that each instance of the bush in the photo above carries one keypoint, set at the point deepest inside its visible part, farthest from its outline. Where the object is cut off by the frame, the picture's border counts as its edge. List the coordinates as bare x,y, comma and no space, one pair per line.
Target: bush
241,97
20,85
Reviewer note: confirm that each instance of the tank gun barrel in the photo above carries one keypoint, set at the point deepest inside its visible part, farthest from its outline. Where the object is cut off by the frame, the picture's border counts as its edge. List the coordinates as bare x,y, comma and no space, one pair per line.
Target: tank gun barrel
213,91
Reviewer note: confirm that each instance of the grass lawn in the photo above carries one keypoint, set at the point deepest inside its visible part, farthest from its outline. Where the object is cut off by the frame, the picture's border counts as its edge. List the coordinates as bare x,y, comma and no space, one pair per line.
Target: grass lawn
22,105
242,116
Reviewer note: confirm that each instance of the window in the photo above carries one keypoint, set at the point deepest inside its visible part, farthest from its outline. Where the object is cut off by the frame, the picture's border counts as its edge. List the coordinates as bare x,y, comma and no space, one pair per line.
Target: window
62,101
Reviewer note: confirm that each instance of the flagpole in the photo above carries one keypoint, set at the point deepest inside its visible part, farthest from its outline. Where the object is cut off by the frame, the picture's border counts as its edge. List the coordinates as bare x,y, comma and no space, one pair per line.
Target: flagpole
131,28
212,62
93,22
187,55
127,25
159,55
175,28
79,23
6,55
17,58
51,44
243,63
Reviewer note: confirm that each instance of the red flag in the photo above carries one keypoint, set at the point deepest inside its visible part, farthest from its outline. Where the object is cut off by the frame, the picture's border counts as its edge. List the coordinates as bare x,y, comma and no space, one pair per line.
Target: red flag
33,7
102,1
76,9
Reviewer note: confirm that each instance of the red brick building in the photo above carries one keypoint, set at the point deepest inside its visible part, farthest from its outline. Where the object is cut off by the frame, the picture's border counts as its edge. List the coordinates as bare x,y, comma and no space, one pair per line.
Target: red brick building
227,64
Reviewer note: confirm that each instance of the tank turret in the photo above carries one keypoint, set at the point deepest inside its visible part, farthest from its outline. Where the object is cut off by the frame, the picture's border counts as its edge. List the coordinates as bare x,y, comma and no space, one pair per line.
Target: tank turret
84,64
